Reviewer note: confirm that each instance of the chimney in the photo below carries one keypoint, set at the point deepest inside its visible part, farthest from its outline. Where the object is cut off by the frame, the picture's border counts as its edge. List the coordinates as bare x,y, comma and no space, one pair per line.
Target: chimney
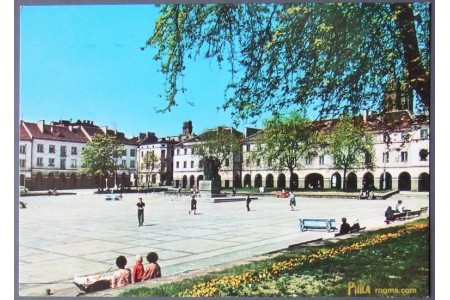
40,125
104,129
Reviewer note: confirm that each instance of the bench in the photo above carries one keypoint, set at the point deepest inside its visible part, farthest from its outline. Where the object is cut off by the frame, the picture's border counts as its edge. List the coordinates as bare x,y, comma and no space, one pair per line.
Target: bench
413,213
397,217
328,224
352,231
424,210
112,197
232,199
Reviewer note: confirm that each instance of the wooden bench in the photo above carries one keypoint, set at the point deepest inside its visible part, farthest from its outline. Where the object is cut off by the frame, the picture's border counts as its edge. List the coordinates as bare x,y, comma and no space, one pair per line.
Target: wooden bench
328,224
413,213
397,217
232,199
352,231
112,197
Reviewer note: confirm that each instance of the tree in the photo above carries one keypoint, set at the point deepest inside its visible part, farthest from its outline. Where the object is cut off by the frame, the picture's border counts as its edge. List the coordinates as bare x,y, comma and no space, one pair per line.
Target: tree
285,141
100,156
350,146
215,146
329,57
150,162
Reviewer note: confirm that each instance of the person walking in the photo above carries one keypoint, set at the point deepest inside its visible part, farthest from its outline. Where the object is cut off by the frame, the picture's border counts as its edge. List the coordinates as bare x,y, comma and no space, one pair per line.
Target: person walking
248,202
292,202
193,205
140,206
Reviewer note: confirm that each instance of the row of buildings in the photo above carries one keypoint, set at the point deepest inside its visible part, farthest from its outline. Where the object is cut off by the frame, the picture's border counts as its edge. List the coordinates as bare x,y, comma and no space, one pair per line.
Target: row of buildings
50,156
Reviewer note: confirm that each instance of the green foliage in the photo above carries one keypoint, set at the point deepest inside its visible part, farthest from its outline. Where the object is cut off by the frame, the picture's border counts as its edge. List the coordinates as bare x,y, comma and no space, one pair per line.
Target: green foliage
285,140
332,57
221,143
149,161
350,146
398,262
101,155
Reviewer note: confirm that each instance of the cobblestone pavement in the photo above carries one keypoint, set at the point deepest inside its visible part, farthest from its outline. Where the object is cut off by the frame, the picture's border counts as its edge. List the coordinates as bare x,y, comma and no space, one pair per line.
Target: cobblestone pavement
82,234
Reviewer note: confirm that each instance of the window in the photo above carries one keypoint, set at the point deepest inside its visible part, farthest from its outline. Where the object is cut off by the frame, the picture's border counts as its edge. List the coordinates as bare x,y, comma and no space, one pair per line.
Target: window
404,156
124,152
62,164
178,165
424,134
192,164
258,162
163,154
22,163
51,162
227,162
51,148
178,151
307,160
22,149
63,151
321,160
40,161
247,162
184,164
248,148
132,164
40,148
73,150
163,167
124,163
73,163
133,152
386,157
185,151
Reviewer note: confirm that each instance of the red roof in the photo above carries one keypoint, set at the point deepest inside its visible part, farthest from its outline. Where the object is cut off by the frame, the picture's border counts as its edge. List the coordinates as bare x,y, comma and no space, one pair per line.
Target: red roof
54,133
23,134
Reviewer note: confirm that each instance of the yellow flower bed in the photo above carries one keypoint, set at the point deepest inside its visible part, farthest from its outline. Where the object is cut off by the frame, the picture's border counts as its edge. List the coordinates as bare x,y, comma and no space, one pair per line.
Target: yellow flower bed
212,287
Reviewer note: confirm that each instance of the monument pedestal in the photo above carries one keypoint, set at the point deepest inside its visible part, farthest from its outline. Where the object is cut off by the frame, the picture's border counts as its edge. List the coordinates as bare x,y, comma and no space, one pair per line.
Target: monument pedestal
208,187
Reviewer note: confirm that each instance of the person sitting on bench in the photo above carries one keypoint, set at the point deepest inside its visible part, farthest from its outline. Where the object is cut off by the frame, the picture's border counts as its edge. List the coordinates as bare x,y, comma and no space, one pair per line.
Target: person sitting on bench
355,226
389,214
345,227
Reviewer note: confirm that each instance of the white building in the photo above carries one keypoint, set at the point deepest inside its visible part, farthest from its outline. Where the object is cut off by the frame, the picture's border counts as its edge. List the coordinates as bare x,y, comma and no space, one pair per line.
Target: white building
401,156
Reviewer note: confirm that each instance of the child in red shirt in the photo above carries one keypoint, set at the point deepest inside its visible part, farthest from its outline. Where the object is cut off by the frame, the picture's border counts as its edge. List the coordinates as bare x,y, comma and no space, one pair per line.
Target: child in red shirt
138,270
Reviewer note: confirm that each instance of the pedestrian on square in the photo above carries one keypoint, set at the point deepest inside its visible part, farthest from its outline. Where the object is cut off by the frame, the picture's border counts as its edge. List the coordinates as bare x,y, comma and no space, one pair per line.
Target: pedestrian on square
179,192
140,206
193,205
292,202
248,202
152,270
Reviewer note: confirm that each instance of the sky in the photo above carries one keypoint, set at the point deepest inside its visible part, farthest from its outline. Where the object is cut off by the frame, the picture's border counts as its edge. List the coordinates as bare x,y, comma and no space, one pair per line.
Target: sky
84,62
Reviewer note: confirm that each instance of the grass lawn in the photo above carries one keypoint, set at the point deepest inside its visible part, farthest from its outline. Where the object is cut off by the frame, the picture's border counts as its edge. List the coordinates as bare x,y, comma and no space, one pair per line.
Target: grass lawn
392,262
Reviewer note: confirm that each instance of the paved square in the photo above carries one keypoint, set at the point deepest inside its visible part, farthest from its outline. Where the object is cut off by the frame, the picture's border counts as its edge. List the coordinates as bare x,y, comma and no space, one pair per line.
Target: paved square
67,235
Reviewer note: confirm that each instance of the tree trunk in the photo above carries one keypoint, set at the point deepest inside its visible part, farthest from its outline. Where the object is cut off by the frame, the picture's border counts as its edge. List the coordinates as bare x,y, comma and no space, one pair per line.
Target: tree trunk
345,180
417,76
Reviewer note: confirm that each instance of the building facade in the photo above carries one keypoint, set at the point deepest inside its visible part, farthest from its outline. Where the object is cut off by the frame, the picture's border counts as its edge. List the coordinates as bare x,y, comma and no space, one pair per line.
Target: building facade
50,156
